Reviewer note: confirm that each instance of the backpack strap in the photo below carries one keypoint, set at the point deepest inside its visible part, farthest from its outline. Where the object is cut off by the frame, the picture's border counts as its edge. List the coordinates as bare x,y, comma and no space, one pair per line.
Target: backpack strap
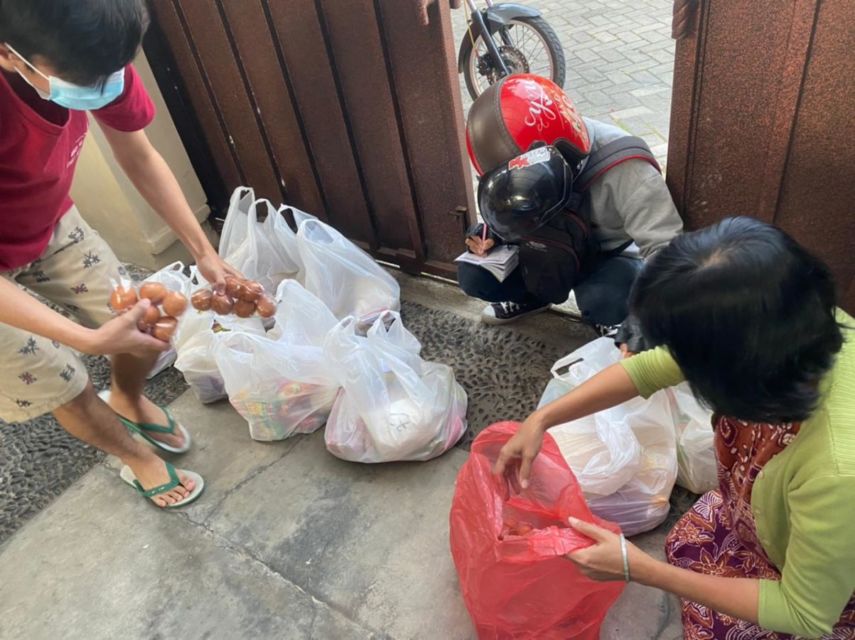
609,156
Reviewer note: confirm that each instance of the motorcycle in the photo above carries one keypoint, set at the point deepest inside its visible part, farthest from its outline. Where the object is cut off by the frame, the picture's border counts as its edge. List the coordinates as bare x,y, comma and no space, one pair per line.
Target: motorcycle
503,39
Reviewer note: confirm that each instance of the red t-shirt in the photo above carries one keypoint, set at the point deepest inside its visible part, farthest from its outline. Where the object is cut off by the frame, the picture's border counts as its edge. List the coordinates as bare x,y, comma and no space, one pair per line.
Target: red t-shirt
39,146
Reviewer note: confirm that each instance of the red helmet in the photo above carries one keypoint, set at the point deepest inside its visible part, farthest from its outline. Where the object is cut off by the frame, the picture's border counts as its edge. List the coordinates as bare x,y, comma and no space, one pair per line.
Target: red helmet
518,112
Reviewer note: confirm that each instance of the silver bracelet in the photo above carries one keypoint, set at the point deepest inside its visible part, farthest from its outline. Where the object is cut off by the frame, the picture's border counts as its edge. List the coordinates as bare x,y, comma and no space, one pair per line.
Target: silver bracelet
625,555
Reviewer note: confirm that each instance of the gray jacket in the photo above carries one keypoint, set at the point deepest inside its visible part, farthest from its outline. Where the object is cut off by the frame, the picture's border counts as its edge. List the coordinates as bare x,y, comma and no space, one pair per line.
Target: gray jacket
630,202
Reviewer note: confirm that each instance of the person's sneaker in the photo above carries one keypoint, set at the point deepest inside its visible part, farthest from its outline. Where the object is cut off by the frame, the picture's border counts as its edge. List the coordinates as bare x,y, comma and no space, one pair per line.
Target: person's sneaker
569,308
607,330
503,312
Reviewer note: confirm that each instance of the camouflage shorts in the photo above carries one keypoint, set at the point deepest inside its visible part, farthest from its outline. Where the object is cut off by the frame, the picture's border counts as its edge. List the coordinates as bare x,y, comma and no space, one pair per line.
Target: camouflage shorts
36,374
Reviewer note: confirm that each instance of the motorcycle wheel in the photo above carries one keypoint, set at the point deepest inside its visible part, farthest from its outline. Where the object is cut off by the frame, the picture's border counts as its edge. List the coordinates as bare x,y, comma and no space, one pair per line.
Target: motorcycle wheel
526,36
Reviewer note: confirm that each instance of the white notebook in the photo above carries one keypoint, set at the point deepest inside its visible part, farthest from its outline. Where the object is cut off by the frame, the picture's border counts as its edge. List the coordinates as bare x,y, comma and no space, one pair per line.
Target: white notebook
500,262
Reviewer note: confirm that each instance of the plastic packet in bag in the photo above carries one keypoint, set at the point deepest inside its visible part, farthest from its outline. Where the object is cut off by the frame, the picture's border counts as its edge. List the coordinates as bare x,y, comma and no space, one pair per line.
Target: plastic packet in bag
696,457
282,383
279,389
603,454
195,339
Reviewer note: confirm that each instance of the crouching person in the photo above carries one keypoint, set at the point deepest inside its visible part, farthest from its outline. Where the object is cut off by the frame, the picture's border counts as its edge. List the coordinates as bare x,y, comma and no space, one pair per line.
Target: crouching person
584,202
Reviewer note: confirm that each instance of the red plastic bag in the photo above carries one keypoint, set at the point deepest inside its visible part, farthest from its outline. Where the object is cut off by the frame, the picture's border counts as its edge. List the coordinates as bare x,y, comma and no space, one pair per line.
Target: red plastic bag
509,544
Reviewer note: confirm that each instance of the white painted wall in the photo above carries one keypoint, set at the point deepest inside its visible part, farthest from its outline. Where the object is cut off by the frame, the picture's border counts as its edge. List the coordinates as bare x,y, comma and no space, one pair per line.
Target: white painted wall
109,202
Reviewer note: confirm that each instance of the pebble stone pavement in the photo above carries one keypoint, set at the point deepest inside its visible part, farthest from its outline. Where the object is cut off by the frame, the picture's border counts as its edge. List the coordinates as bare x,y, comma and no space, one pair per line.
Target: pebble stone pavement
39,460
620,61
619,69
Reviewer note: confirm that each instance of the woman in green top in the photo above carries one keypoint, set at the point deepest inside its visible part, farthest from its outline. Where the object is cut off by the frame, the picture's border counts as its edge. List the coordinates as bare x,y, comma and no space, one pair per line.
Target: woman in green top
749,318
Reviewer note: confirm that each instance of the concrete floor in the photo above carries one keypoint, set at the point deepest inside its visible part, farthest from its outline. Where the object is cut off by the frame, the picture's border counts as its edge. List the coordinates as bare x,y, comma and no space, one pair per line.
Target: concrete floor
287,542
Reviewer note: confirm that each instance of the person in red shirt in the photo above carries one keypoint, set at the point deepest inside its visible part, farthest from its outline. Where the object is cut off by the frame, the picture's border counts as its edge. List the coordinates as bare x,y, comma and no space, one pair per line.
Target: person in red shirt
60,59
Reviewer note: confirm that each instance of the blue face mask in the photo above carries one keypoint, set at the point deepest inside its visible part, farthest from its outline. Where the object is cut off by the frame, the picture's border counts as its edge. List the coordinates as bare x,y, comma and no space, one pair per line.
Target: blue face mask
72,96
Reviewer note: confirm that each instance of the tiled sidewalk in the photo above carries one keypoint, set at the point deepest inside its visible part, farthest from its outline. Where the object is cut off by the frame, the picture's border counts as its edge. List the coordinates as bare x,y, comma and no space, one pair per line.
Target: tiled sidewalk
620,61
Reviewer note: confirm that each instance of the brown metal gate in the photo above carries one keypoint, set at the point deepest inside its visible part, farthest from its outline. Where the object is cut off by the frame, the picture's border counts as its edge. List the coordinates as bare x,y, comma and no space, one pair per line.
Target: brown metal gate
348,109
762,120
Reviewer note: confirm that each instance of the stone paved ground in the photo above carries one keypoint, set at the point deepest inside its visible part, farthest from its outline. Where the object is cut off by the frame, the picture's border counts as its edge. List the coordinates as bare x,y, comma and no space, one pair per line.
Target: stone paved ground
287,541
620,61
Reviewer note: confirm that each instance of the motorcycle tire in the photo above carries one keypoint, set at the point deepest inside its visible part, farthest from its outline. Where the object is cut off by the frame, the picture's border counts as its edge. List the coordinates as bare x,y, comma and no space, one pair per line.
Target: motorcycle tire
547,34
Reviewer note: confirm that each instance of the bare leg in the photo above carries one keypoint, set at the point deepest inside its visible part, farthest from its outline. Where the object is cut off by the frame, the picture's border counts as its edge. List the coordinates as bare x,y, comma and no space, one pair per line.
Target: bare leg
89,419
127,399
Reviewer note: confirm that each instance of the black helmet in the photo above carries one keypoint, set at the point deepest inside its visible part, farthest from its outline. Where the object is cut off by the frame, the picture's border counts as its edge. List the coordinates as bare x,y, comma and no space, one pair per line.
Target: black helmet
521,196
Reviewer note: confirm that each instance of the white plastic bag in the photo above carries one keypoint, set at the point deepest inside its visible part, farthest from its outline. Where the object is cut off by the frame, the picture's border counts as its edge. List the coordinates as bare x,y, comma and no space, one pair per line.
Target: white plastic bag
197,334
603,457
394,405
643,502
625,457
342,275
173,277
696,456
234,238
194,340
264,251
282,384
285,237
272,243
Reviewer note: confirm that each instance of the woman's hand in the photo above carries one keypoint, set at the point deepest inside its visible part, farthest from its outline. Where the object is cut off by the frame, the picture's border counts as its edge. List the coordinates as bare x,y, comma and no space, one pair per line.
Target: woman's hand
608,388
603,560
523,446
478,246
214,269
735,597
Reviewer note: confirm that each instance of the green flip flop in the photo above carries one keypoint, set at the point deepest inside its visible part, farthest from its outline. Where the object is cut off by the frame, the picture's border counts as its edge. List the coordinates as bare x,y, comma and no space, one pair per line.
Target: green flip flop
149,494
144,429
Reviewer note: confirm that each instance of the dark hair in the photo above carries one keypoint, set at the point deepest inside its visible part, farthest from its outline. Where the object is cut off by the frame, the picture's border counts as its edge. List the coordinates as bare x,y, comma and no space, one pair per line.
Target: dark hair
84,40
747,313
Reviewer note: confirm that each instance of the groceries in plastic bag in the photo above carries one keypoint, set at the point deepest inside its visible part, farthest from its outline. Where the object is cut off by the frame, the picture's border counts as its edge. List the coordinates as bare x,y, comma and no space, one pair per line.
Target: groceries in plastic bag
282,384
643,503
696,458
603,458
194,343
342,275
264,251
509,544
194,340
394,405
625,458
